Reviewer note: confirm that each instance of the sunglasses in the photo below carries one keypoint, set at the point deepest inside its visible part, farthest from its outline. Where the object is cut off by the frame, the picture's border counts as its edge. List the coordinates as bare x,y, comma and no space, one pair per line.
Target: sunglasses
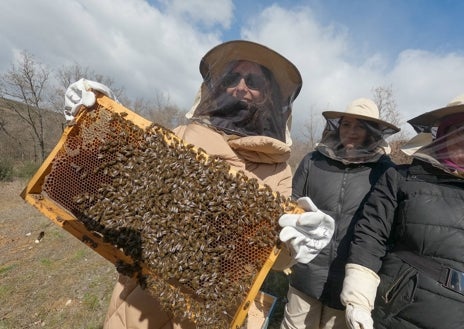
253,81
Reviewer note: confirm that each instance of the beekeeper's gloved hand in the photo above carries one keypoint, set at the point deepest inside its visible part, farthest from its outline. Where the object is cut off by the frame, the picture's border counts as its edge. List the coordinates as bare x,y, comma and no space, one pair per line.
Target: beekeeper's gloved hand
80,94
358,295
306,234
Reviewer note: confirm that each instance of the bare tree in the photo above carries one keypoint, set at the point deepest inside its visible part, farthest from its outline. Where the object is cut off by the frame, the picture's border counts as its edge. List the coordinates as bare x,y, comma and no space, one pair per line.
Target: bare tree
24,89
160,110
68,74
383,97
306,141
313,129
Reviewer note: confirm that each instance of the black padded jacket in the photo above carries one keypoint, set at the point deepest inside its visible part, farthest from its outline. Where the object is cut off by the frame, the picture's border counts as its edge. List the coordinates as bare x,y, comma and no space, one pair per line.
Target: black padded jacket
338,190
417,210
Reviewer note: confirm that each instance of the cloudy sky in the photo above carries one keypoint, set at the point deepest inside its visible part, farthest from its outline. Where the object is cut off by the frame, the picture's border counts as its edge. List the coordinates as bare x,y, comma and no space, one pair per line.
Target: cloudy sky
343,48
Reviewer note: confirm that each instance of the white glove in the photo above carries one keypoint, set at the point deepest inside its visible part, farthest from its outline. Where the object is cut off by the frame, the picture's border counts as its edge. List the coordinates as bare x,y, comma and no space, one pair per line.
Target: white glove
358,295
358,318
306,234
80,94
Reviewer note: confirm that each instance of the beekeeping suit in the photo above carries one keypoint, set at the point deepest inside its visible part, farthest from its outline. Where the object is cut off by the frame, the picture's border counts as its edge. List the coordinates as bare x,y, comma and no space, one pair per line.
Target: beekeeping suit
261,153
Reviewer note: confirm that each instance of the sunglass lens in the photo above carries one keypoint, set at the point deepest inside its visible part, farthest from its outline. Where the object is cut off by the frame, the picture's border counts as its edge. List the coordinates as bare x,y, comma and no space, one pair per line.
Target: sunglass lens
254,81
232,79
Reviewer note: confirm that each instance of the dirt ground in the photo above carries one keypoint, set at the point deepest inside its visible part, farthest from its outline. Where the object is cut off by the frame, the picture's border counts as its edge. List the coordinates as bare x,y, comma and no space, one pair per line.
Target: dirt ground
56,283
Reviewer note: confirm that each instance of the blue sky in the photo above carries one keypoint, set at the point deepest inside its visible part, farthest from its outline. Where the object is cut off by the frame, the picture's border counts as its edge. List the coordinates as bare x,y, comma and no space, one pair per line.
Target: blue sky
343,48
394,25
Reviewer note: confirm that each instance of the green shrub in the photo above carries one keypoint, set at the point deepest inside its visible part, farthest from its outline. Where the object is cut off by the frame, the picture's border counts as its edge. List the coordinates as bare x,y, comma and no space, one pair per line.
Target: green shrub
26,169
6,171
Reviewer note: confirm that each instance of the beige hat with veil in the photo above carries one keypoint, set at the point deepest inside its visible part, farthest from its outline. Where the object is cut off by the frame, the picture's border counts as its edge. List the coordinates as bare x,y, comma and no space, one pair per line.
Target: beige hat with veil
427,124
375,144
215,65
364,109
215,61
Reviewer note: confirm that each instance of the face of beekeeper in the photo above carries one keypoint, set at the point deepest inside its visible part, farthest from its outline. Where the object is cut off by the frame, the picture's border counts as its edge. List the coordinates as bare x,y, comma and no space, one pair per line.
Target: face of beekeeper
352,132
246,82
455,143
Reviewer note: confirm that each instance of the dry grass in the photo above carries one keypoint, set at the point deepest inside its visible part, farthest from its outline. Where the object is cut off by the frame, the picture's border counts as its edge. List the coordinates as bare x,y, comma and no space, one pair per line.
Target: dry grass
56,283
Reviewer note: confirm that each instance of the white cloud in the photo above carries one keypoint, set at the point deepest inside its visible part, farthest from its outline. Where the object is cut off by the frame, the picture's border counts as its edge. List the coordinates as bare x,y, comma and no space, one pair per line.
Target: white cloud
334,72
205,12
425,81
320,53
128,40
150,49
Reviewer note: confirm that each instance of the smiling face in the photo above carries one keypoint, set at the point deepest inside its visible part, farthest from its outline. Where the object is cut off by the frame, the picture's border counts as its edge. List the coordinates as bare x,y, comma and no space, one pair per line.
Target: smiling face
352,132
246,82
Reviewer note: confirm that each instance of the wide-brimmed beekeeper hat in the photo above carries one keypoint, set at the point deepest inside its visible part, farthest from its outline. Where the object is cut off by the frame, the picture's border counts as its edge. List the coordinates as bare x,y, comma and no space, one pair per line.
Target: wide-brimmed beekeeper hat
427,124
364,109
427,121
215,61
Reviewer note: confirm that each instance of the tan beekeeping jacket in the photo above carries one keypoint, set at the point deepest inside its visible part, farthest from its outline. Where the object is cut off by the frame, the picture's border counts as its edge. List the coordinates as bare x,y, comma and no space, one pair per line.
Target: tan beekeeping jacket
260,157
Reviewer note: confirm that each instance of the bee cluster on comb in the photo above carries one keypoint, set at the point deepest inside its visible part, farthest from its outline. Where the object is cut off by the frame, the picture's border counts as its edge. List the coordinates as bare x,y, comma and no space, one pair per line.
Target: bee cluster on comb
197,233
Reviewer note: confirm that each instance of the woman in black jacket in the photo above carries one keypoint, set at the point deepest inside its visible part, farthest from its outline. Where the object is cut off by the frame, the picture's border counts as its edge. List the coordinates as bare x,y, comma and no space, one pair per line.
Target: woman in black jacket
350,157
410,236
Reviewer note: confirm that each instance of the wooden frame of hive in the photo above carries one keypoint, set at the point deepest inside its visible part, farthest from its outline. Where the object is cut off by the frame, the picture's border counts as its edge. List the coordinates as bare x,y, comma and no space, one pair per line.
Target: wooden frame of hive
36,195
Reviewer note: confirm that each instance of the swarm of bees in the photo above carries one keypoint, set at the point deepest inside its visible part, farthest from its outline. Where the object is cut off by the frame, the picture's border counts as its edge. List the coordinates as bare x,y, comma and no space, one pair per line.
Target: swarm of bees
203,230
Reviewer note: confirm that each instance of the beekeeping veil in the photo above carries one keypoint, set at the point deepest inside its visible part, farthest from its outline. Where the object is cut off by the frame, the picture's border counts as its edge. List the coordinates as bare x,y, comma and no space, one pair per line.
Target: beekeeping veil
439,132
375,145
270,118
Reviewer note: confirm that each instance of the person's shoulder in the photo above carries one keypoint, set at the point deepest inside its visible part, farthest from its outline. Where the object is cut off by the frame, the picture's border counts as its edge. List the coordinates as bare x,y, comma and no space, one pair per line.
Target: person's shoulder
383,164
386,160
396,171
194,128
315,155
308,157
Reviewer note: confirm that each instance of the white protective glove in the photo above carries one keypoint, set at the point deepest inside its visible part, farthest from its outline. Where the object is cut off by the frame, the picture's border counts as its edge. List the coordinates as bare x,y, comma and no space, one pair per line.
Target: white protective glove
306,234
80,94
358,295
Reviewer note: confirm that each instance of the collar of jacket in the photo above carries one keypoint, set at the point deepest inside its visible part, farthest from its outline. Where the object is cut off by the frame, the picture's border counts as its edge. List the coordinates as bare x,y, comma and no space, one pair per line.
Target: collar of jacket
371,156
440,167
428,172
329,164
257,149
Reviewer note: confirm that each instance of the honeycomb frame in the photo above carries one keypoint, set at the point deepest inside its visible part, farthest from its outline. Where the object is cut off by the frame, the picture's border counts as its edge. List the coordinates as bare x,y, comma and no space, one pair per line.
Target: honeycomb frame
109,149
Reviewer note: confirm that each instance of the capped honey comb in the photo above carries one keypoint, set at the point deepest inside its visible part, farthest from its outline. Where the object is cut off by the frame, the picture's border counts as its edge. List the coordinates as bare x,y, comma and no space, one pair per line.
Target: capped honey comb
198,236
